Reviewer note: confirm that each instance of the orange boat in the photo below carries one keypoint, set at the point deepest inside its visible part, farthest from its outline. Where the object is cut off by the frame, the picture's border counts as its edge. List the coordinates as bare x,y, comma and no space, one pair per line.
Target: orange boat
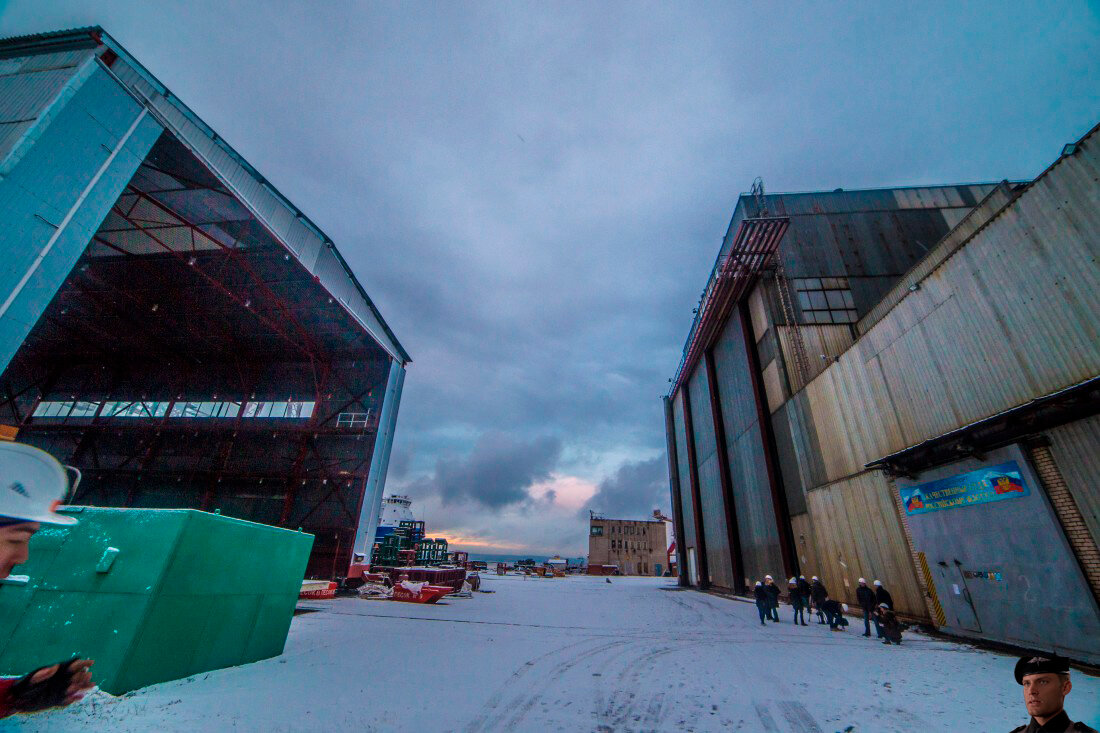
420,593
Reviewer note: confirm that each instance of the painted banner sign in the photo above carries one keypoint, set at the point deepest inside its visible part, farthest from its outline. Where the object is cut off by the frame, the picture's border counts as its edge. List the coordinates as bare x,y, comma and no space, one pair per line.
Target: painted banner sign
995,483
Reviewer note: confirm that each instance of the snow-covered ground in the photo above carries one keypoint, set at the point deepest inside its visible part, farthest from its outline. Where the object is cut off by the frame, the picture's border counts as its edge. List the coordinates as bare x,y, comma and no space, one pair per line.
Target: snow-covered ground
579,654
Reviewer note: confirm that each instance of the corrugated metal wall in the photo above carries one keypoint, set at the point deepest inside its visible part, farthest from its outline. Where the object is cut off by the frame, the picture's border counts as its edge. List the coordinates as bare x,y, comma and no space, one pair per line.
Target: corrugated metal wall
44,185
33,88
749,475
1076,449
682,462
1010,317
858,534
715,531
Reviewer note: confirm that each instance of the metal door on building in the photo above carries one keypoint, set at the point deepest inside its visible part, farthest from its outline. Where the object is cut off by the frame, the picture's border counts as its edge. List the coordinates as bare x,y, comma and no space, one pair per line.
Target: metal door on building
959,603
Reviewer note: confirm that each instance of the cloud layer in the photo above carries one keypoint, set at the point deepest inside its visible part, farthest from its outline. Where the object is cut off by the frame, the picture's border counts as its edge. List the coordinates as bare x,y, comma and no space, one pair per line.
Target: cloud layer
534,193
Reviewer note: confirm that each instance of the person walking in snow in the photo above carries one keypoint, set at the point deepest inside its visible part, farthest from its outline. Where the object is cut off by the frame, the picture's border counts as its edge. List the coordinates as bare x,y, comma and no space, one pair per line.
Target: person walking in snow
762,601
773,597
798,601
819,593
866,598
883,596
804,591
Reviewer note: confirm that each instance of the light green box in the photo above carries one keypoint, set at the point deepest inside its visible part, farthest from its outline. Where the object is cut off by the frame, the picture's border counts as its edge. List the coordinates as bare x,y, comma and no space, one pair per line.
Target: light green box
186,592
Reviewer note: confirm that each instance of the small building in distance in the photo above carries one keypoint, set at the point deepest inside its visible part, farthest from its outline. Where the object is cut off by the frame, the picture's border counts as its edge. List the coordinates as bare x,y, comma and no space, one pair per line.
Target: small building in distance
626,547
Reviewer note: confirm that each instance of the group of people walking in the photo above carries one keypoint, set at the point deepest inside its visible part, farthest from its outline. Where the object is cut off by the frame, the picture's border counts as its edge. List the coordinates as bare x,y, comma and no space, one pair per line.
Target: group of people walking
809,596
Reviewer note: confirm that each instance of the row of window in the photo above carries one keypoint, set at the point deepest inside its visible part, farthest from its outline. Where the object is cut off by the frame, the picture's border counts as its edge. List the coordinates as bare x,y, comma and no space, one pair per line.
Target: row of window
825,299
629,545
630,529
90,409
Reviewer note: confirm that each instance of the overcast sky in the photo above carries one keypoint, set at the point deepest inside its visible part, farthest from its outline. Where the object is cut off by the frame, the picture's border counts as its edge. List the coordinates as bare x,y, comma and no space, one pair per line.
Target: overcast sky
533,193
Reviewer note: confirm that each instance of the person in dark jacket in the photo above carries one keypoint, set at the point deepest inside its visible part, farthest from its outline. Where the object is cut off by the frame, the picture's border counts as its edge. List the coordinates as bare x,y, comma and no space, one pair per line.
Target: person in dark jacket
834,611
1045,681
888,622
762,601
773,597
883,596
804,590
819,594
866,598
798,601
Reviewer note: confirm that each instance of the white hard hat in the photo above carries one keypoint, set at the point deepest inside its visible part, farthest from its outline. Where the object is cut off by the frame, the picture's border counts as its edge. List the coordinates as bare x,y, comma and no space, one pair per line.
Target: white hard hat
759,583
768,577
878,582
863,580
814,578
32,484
791,580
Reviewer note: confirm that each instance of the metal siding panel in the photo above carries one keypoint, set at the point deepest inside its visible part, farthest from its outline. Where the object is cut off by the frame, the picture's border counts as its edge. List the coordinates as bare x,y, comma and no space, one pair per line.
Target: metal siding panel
789,469
858,534
1076,450
1009,317
47,183
682,460
715,533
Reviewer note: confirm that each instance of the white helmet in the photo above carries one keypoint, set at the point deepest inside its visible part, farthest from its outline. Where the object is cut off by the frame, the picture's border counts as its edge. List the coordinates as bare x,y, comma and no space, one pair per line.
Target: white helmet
32,484
814,578
863,581
759,583
768,577
791,580
878,583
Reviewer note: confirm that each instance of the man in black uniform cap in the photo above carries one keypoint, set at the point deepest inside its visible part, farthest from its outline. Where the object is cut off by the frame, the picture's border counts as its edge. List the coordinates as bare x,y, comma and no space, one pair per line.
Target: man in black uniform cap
1046,683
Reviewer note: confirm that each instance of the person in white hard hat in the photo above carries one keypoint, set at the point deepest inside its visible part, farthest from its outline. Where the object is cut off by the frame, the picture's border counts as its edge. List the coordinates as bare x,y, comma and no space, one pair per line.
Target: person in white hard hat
867,603
773,598
32,485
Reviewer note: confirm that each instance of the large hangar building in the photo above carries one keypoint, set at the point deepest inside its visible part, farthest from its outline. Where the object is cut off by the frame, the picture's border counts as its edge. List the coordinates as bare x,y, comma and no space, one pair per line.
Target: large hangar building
170,324
903,384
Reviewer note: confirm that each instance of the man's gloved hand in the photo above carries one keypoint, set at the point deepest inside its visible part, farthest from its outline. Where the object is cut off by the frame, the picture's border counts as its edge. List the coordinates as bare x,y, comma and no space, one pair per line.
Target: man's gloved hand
49,687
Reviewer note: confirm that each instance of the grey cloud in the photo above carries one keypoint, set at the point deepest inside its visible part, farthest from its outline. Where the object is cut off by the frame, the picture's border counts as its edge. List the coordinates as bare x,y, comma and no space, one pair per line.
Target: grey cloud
496,473
632,492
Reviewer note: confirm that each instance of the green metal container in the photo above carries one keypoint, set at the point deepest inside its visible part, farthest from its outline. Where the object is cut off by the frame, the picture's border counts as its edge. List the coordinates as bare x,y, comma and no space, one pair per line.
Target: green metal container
152,595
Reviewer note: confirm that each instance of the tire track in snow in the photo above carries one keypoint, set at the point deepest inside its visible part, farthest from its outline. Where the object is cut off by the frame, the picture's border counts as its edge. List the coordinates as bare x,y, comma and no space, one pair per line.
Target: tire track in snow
493,717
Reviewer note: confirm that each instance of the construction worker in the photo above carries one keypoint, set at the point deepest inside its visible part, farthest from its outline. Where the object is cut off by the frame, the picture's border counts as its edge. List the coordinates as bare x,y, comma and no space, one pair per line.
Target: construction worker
798,601
866,598
819,593
32,484
763,601
773,598
882,595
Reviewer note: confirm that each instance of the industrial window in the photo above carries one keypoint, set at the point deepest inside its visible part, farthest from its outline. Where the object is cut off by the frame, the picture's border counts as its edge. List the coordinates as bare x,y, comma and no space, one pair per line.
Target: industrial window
825,300
206,409
290,409
85,409
353,419
134,409
53,409
597,531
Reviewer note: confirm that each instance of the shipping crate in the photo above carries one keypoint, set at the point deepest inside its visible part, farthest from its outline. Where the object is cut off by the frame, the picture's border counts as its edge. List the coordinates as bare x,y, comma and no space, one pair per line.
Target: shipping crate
151,595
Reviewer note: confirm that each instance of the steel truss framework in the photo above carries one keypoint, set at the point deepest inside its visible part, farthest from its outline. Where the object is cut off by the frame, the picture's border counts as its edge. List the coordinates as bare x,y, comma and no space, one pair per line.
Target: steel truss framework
183,295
